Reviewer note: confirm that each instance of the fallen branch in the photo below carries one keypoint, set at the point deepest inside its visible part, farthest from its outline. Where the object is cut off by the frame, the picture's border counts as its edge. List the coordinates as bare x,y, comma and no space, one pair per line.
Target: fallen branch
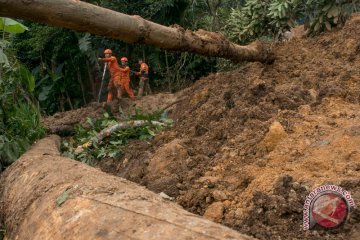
171,104
108,131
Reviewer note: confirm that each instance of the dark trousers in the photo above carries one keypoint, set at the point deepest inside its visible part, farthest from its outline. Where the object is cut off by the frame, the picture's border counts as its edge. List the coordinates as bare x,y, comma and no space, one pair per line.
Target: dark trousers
144,85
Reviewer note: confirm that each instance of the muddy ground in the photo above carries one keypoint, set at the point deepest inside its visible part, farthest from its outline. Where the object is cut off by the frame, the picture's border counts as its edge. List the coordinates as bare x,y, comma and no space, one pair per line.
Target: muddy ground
249,145
62,123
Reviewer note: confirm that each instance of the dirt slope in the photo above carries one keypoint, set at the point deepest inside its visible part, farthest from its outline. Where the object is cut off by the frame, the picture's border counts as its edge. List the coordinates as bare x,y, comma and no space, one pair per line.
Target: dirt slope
248,145
147,104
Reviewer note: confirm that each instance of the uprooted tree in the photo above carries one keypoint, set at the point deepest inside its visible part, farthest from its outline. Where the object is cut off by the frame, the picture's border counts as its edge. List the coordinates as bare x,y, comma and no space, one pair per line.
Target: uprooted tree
85,17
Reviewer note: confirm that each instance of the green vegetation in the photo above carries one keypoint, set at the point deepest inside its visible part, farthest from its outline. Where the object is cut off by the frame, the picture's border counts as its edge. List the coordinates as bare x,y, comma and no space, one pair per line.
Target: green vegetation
19,112
63,197
110,147
2,233
269,19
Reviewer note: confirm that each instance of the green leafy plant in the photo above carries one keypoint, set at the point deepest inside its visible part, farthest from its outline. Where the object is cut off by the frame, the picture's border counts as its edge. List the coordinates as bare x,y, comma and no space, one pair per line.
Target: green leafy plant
110,147
249,21
269,19
8,26
2,233
19,111
11,26
325,15
19,127
63,197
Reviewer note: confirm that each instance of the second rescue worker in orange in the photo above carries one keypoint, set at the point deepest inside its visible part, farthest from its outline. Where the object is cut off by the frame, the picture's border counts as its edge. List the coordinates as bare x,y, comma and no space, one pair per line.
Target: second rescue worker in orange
115,73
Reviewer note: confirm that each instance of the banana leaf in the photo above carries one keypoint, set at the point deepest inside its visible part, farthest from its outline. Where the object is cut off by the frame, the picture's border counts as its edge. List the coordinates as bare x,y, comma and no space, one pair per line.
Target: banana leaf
11,26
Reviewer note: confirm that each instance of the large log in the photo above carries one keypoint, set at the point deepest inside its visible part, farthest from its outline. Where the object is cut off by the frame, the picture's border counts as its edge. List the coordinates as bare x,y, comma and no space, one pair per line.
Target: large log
85,17
46,196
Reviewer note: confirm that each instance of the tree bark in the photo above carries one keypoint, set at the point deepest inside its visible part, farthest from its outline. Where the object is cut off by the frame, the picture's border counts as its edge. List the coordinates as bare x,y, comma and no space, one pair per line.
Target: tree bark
85,17
46,196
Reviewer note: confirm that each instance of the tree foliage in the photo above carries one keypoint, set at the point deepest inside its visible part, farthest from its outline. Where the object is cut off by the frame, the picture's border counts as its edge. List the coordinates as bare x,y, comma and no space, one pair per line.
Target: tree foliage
19,113
269,19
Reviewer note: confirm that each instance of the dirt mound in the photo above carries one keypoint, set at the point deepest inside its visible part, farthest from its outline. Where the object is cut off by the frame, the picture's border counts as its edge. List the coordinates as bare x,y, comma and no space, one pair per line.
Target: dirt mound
73,117
249,145
63,122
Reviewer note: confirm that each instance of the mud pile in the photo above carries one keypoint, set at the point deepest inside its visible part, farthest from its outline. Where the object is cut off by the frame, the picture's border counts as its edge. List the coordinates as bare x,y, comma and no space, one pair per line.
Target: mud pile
146,104
250,144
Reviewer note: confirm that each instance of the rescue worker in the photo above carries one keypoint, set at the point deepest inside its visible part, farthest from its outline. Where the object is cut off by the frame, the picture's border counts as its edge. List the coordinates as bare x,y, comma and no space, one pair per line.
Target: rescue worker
115,73
125,78
144,78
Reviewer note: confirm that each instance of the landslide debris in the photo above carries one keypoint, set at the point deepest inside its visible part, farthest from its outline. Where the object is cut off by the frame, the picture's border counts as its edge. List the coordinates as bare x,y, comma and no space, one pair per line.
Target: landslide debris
249,145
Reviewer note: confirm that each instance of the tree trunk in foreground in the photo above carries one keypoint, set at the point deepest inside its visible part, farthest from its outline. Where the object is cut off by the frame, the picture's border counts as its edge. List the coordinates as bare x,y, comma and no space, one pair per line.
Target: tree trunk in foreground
85,17
46,196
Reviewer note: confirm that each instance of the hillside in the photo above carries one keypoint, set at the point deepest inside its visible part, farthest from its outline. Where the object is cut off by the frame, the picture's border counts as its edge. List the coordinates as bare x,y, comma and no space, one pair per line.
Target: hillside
249,145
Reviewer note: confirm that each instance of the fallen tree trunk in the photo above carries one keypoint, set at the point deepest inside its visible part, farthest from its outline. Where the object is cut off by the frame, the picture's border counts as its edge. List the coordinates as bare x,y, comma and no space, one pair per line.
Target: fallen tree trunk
46,196
85,17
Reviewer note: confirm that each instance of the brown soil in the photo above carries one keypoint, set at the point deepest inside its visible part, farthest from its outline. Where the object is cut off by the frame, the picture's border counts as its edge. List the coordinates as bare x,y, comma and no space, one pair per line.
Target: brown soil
249,145
66,120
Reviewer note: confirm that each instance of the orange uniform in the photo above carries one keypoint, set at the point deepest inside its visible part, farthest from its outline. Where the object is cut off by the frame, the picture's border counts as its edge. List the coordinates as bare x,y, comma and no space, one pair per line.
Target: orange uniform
113,66
115,74
125,81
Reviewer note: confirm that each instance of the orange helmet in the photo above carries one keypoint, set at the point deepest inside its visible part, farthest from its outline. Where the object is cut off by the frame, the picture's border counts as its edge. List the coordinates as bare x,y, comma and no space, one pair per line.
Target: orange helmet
108,51
124,59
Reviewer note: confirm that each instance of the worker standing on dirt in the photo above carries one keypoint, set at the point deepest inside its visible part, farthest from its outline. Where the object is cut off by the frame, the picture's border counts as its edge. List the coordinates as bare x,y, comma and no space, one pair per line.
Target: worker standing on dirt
144,78
125,78
115,73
